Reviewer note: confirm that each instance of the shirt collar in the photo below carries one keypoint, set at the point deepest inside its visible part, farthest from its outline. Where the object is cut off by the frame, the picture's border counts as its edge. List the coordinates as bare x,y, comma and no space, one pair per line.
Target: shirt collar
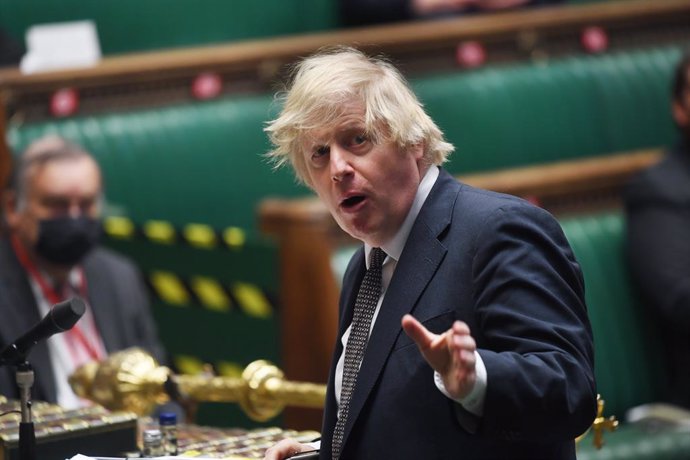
395,246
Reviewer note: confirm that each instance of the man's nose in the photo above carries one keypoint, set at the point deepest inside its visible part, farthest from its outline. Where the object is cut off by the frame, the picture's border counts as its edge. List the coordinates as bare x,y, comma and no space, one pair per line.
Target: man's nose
75,210
339,163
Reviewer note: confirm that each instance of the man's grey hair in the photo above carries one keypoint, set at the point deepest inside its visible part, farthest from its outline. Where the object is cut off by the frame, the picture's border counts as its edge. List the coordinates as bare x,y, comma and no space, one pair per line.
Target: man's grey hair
40,152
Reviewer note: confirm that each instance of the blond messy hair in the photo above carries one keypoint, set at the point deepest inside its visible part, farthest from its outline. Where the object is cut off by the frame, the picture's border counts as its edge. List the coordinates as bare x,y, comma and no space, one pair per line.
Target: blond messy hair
321,87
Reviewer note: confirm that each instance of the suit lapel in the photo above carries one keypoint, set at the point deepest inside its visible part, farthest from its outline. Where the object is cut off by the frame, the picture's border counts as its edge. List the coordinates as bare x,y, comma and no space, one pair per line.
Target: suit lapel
350,289
20,313
422,255
102,303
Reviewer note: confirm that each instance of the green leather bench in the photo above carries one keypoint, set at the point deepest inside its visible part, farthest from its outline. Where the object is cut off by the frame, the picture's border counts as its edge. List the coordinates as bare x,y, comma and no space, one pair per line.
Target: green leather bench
581,106
198,162
132,25
214,302
202,161
629,363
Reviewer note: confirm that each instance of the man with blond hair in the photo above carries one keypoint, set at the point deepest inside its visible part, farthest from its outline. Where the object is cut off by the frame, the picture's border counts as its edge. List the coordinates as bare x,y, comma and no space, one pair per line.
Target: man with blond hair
463,330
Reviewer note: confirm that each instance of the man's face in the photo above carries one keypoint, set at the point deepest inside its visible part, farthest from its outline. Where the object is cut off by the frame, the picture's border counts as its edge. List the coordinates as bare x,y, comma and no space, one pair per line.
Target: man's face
63,187
367,187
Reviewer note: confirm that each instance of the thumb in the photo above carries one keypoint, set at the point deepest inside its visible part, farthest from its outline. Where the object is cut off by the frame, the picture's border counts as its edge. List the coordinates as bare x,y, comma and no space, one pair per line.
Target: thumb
417,332
432,346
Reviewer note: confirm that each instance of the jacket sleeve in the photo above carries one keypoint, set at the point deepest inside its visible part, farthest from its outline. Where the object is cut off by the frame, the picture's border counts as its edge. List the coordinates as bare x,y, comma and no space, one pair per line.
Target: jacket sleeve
534,336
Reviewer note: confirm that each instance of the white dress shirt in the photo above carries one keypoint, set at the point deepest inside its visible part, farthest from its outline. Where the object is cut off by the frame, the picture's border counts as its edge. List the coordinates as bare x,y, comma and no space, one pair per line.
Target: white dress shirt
66,354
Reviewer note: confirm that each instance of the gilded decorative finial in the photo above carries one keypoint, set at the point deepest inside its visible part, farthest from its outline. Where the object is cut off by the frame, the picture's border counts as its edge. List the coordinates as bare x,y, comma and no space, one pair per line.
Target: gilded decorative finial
132,380
602,423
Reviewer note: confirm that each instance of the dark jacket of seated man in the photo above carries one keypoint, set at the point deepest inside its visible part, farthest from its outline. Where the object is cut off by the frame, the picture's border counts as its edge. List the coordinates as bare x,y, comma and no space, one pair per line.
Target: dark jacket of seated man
49,252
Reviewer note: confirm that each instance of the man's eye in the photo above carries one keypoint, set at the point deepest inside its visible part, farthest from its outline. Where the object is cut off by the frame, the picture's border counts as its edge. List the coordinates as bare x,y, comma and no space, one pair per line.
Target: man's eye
56,204
320,151
319,155
359,139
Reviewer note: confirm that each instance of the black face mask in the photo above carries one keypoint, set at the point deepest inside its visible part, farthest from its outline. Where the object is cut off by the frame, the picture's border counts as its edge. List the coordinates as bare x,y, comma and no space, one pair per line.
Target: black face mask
66,240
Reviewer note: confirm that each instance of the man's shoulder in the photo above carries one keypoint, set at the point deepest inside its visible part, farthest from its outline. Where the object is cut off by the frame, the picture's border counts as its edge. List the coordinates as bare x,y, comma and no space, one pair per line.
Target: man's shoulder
479,203
103,257
471,199
668,180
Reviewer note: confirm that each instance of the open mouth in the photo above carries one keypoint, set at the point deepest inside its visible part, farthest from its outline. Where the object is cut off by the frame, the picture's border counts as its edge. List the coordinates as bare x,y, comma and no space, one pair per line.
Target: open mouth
352,201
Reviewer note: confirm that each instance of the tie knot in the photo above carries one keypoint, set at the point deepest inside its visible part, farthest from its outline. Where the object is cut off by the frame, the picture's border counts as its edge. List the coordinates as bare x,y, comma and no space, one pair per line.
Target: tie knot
376,257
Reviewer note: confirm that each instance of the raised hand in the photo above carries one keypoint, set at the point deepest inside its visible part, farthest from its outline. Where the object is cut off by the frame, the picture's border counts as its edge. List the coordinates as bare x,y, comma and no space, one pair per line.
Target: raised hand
451,354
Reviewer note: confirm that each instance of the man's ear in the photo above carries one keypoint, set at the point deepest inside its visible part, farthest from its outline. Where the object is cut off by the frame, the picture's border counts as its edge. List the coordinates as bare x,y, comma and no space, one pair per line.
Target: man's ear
680,114
417,150
9,207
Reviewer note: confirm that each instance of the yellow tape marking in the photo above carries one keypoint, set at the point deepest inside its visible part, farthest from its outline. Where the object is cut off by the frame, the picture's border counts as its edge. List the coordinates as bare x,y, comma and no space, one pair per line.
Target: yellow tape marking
160,231
200,235
118,227
252,300
229,369
211,293
189,365
234,237
169,287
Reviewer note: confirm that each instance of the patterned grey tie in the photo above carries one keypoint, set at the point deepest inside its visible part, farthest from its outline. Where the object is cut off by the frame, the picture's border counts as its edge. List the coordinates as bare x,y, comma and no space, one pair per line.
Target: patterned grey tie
365,305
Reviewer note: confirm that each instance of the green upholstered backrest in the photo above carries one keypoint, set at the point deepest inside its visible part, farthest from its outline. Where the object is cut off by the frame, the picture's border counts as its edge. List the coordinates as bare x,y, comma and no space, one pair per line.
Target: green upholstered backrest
197,162
136,25
628,358
213,305
202,161
580,106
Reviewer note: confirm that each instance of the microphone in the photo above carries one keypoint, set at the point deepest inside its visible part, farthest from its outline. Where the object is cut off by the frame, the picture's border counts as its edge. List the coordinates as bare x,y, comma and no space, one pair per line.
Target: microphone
60,318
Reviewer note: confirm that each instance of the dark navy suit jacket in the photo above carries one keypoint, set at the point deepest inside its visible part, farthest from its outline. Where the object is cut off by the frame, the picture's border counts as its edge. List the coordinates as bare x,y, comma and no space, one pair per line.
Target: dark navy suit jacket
117,297
504,267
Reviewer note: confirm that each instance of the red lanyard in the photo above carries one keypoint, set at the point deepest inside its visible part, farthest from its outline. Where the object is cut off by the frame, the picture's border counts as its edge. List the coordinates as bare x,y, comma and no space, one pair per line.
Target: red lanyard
52,296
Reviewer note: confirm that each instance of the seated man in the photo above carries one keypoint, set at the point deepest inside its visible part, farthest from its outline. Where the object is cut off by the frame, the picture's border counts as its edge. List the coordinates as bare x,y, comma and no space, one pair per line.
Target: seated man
49,252
658,218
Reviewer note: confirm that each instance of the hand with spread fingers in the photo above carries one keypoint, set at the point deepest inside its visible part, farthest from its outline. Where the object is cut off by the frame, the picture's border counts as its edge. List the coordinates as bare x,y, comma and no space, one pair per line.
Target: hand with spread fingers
451,354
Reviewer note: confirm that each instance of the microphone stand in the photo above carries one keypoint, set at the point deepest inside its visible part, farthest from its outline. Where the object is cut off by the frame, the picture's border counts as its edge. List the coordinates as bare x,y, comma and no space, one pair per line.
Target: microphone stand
27,437
61,317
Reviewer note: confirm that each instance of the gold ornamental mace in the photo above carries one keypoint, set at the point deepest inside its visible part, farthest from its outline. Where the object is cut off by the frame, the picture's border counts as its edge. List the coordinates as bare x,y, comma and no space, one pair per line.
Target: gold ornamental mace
132,380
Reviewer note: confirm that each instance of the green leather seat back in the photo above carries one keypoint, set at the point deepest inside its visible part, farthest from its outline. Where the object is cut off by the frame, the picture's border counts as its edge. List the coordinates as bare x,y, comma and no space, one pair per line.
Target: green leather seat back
162,163
628,357
581,106
197,162
134,25
213,306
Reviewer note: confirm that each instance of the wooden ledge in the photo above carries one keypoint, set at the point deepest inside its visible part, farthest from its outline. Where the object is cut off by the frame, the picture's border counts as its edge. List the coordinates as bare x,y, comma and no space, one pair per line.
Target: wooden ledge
565,177
562,180
267,55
